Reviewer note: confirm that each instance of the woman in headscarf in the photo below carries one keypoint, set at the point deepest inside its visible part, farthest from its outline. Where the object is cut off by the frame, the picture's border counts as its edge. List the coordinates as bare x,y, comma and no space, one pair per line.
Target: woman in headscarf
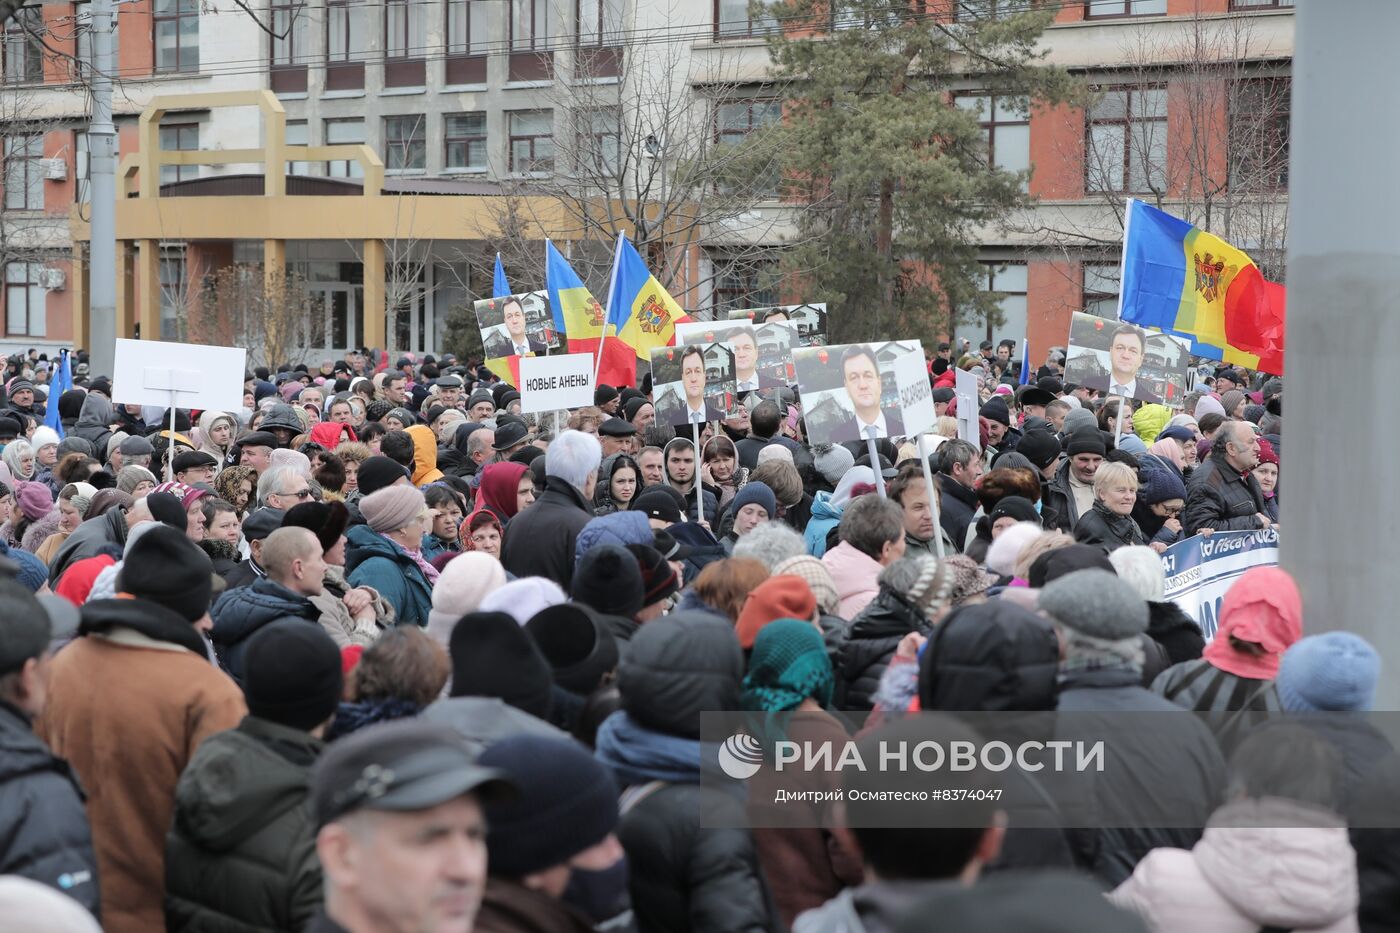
45,536
217,430
720,470
481,531
827,508
1267,475
19,457
619,481
236,484
789,673
503,489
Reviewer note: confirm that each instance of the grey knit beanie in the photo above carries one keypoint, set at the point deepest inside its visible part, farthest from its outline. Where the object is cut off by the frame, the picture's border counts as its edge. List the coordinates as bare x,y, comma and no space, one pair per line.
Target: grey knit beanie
832,462
1095,603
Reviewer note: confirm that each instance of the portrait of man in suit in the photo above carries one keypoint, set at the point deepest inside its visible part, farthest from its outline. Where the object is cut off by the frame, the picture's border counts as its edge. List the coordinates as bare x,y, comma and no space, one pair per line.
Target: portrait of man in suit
521,344
1126,352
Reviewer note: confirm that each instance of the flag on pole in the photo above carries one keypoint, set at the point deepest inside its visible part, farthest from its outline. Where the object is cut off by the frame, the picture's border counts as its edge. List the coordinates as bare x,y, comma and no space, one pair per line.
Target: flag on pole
62,382
500,288
641,314
1185,281
577,314
1025,361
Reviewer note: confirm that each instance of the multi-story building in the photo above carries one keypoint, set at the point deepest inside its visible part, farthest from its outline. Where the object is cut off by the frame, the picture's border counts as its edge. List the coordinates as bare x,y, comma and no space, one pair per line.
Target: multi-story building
468,101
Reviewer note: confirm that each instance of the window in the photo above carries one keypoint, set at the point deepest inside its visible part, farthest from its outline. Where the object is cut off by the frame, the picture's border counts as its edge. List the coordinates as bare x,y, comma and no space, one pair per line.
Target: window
405,29
177,35
26,311
298,134
531,140
24,180
1127,141
289,41
344,133
82,37
734,121
345,30
1006,128
1259,134
744,283
973,10
1259,4
529,25
24,50
600,140
1125,8
179,137
173,294
599,23
466,27
1101,289
734,19
1009,280
405,148
464,141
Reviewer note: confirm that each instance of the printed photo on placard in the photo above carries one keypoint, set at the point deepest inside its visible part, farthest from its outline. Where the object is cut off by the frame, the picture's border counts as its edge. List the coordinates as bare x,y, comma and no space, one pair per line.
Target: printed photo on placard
808,319
740,336
681,387
1117,358
845,393
516,325
776,341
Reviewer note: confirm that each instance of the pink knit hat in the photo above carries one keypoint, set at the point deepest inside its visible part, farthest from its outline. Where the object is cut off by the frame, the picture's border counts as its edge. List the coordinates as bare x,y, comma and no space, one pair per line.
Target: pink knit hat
34,499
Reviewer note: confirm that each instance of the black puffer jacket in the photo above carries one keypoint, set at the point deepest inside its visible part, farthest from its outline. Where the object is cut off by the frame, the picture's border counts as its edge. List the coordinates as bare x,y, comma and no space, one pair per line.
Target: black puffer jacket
1103,528
864,651
241,612
684,877
1174,630
243,816
1219,498
44,834
93,537
540,540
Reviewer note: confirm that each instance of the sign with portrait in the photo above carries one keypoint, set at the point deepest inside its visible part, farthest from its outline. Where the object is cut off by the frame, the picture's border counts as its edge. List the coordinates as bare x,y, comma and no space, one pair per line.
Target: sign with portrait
692,383
808,320
850,391
1117,358
516,325
549,383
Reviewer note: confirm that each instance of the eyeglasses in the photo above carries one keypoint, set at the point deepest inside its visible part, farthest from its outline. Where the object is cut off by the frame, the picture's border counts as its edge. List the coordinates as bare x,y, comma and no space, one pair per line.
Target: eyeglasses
1173,511
299,494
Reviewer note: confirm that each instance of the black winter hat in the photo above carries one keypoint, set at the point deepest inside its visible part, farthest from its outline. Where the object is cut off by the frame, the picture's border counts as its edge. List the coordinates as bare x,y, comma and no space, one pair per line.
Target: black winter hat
994,409
678,667
378,473
167,568
493,657
166,509
293,675
566,803
70,403
658,576
661,502
608,580
1017,507
578,646
1040,448
633,406
604,394
327,520
1086,442
1054,564
988,658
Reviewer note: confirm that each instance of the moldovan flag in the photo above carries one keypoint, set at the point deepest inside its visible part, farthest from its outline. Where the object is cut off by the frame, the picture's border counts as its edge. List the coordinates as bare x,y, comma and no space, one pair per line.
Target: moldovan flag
1185,281
505,368
577,314
500,288
641,313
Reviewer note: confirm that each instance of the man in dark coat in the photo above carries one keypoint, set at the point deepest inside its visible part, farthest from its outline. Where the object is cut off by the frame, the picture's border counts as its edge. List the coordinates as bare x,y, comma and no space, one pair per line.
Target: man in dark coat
46,837
241,811
959,469
1071,492
1223,494
295,568
764,423
540,540
913,591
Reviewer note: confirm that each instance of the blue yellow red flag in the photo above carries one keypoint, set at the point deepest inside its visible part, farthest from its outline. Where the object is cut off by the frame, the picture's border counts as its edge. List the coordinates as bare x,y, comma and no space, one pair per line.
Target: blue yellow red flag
641,313
500,288
577,314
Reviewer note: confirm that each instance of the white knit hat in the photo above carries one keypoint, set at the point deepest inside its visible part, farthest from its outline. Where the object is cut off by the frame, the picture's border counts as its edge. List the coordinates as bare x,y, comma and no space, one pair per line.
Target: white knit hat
521,599
464,583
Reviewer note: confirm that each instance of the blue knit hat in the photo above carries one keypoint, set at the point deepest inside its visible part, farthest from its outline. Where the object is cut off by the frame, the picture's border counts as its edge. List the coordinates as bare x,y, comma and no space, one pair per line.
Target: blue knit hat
756,494
1158,484
789,663
1333,671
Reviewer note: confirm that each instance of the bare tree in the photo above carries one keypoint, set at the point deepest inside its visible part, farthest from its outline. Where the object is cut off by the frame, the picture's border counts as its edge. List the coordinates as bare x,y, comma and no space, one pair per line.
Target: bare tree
270,315
1195,122
647,152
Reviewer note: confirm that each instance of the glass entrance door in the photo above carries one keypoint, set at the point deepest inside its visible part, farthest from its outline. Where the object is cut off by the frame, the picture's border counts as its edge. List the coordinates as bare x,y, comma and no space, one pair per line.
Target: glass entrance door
338,318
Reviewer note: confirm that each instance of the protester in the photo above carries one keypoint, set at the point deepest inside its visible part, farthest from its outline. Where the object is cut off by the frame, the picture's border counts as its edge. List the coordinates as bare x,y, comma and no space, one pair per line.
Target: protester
1224,495
541,541
385,553
1109,523
1071,493
872,537
396,677
959,469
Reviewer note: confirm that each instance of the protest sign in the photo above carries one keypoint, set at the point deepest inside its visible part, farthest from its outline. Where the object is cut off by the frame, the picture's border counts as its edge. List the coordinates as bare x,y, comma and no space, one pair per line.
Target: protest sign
849,389
1202,569
809,320
692,383
549,383
516,325
146,372
775,344
969,428
915,393
738,336
1123,359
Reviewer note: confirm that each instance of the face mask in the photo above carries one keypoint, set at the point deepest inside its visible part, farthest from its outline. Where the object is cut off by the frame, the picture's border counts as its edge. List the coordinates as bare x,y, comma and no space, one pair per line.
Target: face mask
600,895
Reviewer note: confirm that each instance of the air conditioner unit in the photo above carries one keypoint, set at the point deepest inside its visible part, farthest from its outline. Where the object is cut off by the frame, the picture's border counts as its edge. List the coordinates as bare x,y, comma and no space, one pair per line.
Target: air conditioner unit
53,279
56,169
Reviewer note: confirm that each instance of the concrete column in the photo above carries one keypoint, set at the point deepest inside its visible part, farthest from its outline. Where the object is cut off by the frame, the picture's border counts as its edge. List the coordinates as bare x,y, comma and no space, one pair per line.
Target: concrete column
1343,324
374,295
148,288
78,295
274,265
126,292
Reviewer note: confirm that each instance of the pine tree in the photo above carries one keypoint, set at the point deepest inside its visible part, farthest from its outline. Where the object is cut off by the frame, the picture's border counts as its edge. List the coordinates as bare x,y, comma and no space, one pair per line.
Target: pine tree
891,173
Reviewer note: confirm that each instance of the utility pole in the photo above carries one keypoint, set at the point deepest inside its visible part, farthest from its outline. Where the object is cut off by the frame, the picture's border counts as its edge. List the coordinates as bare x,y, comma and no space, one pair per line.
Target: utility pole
102,175
1343,328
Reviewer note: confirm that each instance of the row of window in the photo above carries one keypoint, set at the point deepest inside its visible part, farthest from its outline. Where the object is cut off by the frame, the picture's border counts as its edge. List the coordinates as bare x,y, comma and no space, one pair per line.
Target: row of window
530,147
1094,9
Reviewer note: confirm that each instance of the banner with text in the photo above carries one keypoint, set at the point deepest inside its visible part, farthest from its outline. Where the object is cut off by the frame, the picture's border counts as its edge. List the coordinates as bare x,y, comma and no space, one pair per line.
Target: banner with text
548,383
1202,569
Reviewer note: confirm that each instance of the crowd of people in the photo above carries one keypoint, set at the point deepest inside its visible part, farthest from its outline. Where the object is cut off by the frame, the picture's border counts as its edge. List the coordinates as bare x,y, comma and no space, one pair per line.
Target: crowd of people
377,652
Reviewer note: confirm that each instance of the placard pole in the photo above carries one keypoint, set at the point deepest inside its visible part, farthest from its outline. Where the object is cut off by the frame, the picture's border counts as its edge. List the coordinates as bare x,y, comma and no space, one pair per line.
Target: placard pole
875,461
932,496
699,489
170,447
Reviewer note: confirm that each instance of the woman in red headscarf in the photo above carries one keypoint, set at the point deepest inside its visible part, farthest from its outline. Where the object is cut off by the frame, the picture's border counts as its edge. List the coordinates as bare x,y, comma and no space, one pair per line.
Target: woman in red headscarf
506,488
